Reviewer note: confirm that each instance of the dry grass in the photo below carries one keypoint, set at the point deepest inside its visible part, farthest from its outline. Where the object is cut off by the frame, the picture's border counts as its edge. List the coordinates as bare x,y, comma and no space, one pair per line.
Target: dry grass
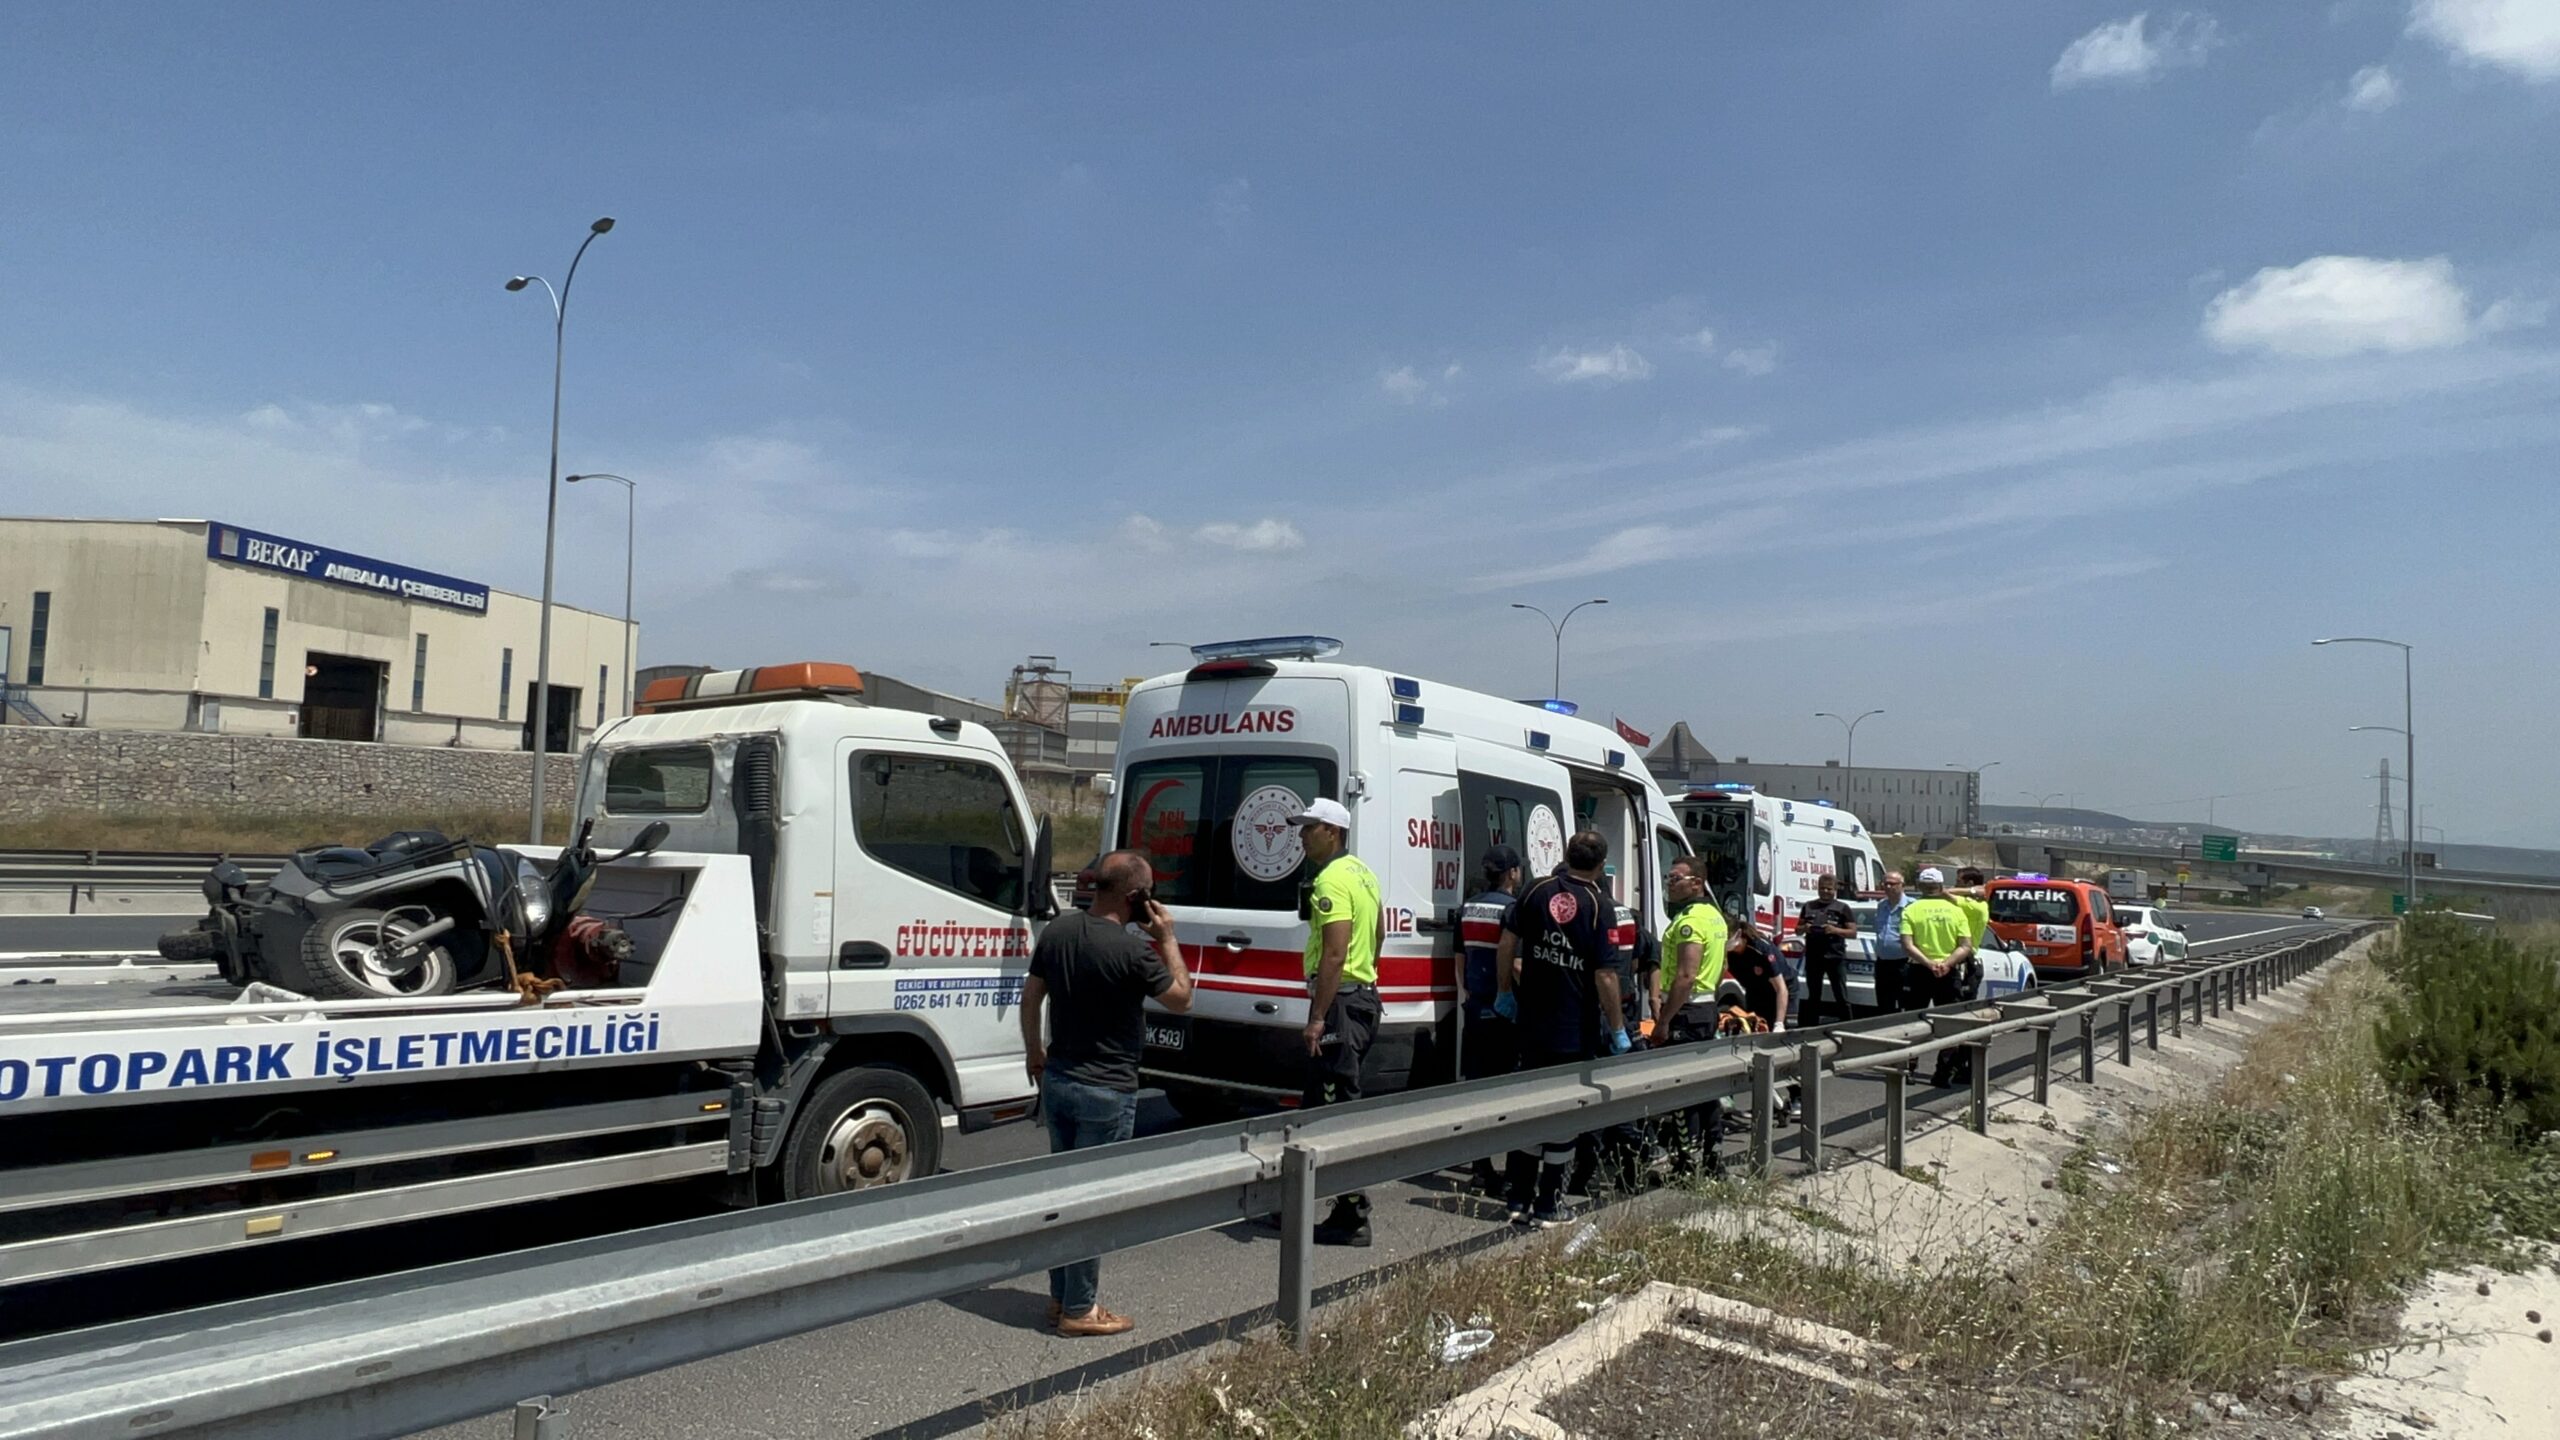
251,833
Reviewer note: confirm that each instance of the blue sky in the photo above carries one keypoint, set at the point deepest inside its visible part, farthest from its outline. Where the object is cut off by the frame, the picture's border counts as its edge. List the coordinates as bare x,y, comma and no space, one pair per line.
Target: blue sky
2047,374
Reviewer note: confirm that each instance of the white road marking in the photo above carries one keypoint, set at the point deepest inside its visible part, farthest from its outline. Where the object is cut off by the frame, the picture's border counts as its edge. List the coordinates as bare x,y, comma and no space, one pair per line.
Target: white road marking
2253,934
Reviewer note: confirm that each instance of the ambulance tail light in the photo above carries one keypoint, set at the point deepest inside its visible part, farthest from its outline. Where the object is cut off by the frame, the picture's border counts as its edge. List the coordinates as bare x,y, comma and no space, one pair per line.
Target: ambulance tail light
1537,739
1617,759
1404,689
807,678
1409,715
1232,670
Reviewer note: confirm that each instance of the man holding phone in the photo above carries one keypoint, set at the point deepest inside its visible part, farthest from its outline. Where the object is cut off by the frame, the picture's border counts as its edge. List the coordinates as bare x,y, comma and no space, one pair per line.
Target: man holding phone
1094,976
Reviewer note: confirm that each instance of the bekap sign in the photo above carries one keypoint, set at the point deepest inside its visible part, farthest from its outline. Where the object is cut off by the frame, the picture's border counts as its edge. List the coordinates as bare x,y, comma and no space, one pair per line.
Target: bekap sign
262,551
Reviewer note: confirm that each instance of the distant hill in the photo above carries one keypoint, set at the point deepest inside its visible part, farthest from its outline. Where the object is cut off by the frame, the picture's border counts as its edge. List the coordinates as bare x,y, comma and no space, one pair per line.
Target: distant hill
2491,859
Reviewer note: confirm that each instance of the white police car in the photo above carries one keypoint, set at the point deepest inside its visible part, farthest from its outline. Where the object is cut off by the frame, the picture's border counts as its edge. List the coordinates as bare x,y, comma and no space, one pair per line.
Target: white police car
2150,938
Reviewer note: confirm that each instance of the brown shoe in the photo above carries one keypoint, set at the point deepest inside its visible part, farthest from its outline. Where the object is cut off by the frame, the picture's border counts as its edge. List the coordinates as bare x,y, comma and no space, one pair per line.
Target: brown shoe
1055,1311
1096,1321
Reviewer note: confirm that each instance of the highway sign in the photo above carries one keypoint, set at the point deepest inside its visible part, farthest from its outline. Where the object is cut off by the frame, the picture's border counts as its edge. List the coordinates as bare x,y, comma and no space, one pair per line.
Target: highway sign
2182,875
2221,847
2399,904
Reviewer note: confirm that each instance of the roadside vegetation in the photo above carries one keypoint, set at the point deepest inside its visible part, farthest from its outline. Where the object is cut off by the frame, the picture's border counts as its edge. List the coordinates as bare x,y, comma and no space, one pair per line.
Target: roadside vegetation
2252,1238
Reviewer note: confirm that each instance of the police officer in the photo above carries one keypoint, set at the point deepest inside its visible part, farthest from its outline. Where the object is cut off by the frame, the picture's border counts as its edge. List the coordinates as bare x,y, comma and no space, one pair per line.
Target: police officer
1344,931
1686,1004
1562,969
1972,898
1485,1045
1939,936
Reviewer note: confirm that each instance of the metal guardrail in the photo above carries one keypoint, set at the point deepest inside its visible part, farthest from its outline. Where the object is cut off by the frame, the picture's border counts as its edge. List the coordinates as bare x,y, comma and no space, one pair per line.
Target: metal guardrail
395,1354
83,873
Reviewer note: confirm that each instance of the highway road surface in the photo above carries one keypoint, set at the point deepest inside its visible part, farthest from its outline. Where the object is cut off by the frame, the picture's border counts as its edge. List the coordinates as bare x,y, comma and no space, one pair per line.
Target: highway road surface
932,1370
47,934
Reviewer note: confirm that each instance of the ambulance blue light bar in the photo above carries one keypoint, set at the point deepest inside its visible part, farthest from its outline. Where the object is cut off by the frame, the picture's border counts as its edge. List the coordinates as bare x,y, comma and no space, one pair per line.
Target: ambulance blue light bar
1404,689
1270,647
1408,714
1561,707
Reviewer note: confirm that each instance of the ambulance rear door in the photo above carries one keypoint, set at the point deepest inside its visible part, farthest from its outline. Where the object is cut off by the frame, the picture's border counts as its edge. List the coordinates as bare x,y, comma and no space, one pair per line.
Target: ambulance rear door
1511,797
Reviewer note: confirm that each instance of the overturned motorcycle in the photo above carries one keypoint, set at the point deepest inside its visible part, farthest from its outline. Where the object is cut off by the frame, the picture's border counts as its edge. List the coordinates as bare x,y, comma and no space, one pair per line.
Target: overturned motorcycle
413,914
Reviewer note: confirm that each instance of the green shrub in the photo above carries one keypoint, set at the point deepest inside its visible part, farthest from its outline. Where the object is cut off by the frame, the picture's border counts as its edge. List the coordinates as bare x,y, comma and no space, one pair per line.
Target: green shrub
2474,1026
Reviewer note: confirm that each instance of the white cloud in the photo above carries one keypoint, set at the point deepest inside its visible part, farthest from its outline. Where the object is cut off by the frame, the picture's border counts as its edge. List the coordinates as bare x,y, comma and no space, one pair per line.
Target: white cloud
1702,340
2518,35
1753,359
1410,386
2373,88
2129,52
1265,536
2334,305
1598,367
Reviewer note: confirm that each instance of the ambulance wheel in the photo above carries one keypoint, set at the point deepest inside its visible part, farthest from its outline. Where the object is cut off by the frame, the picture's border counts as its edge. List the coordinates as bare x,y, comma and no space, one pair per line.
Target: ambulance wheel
341,958
862,1128
1198,1105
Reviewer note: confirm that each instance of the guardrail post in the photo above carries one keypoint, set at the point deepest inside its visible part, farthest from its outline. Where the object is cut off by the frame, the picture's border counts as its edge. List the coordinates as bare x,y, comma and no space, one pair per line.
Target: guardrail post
2088,1045
2151,1017
1297,1244
542,1418
2213,992
2044,1065
2178,1007
1980,1058
1809,1081
1764,1108
2196,994
1894,1081
2124,1032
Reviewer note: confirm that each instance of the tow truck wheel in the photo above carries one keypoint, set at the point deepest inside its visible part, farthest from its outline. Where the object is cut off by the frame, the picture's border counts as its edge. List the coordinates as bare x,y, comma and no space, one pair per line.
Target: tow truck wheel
865,1127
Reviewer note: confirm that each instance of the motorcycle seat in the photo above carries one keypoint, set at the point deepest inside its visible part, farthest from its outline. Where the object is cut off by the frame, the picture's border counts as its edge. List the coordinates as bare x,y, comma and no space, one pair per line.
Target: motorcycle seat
406,843
330,861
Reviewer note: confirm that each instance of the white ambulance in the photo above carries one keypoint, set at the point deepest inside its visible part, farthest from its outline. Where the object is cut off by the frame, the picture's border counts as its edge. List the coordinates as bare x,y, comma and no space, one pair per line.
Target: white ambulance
1763,854
1213,761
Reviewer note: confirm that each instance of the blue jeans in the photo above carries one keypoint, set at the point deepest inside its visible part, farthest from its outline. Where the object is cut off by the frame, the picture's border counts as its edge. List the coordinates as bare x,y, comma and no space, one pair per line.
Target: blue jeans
1082,1116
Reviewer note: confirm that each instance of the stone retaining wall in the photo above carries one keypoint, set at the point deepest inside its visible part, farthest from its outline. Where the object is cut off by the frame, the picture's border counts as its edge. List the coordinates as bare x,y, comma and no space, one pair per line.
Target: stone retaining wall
47,770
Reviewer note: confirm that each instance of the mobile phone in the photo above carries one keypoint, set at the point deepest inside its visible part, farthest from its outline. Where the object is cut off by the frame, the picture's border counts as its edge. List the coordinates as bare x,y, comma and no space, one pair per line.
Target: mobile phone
1139,903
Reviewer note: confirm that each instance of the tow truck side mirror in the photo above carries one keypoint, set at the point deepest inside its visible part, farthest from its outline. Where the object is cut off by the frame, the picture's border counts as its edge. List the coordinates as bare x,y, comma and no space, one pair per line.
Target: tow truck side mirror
1039,892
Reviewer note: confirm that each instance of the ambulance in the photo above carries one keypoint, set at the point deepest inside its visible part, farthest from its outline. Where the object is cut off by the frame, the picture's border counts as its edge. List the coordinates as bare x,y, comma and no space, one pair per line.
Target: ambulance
1763,854
1213,762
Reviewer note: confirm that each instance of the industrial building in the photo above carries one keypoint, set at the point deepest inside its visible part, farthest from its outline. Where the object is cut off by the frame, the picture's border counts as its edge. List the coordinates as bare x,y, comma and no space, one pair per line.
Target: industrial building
1943,802
197,625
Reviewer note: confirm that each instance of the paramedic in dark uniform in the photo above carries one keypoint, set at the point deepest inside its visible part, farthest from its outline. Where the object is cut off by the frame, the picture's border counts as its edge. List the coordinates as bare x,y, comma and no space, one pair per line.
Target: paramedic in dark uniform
1344,932
1485,1045
1826,926
1567,1000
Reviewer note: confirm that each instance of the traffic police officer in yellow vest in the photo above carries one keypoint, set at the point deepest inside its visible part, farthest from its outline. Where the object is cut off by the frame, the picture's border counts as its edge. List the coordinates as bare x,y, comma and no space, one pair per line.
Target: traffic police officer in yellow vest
1345,926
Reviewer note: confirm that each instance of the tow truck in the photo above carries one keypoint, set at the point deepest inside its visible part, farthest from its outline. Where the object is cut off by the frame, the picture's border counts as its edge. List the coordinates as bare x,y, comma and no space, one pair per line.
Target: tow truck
828,952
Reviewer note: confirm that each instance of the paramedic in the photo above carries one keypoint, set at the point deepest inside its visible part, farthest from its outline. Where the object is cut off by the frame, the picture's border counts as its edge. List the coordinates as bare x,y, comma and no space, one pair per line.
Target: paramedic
1561,971
1485,1044
1939,936
1343,937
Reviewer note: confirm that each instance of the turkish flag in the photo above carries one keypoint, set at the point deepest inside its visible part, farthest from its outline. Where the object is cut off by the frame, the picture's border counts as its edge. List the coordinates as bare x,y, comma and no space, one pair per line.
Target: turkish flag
1631,734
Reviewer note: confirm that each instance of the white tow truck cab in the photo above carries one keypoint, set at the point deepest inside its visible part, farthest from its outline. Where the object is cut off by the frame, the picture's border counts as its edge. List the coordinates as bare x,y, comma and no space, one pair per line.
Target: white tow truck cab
1213,761
828,953
1764,854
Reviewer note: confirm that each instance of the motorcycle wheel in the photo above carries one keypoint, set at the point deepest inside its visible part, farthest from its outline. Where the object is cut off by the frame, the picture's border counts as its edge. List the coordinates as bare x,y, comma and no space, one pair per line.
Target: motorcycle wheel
189,947
339,959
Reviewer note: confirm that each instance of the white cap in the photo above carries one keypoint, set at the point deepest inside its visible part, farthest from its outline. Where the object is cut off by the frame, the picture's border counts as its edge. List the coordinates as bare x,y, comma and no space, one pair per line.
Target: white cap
1323,812
1933,876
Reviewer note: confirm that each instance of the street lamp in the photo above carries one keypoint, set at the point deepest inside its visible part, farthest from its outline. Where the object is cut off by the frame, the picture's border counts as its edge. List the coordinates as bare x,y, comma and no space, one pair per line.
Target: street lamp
1850,761
2408,732
630,539
551,519
1558,691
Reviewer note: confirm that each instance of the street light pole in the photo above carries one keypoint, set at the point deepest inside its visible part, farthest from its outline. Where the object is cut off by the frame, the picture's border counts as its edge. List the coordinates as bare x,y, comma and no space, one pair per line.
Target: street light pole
630,548
1557,683
2409,733
551,518
1850,761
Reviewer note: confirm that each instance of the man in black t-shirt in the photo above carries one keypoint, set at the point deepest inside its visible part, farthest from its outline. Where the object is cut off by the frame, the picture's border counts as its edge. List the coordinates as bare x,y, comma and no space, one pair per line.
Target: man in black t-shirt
1562,972
1094,975
1826,924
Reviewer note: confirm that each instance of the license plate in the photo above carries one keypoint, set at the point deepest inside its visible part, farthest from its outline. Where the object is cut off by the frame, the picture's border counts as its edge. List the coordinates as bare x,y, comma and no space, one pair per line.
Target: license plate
1167,1037
1865,968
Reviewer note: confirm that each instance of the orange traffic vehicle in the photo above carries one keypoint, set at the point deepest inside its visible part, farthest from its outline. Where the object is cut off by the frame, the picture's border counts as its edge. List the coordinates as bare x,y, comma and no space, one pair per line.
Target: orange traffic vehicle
2066,927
